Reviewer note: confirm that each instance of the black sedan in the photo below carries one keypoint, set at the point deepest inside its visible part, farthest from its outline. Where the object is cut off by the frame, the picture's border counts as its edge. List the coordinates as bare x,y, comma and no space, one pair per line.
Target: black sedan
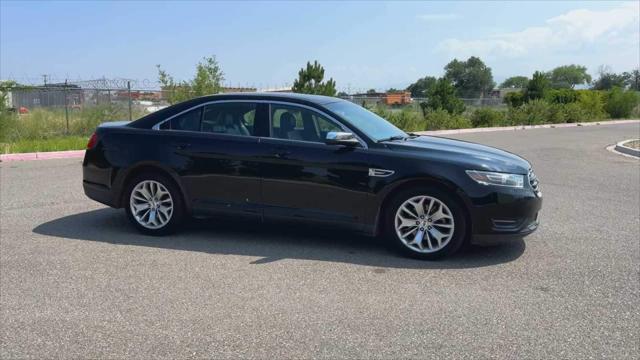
313,159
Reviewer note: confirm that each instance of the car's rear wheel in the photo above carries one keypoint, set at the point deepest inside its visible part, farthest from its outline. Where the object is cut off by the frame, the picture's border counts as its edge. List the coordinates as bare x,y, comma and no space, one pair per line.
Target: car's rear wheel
425,223
154,204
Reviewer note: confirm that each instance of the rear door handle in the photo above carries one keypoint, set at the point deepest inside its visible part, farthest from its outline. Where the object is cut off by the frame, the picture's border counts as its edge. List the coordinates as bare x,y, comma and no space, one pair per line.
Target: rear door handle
281,153
183,146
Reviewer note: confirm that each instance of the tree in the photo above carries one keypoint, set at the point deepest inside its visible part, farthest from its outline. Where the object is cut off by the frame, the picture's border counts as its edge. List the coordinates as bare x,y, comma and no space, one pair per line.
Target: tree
515,82
619,103
607,80
420,88
633,79
568,76
471,78
371,91
443,96
537,87
342,94
310,81
208,80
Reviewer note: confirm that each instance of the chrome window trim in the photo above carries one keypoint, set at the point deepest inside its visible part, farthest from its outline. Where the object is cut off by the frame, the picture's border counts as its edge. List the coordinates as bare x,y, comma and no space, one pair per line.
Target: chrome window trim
157,126
268,102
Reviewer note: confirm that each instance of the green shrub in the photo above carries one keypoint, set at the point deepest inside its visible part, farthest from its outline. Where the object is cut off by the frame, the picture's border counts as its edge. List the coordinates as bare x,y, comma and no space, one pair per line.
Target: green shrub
620,103
516,116
562,96
514,99
537,112
556,114
592,104
408,119
486,117
573,113
441,119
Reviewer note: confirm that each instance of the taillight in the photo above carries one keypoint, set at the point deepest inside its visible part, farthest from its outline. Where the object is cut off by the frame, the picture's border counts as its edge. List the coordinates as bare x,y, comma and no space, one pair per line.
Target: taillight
93,140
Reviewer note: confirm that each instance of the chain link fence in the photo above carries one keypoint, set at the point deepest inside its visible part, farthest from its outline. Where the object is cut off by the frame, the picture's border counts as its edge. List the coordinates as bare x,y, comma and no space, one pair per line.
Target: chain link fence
75,105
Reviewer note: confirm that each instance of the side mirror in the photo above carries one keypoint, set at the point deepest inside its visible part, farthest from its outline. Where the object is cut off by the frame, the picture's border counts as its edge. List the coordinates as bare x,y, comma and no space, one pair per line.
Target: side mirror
341,138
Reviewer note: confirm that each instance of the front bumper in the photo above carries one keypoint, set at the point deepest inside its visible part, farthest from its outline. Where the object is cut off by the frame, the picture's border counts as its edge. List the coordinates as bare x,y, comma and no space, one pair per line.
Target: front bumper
505,215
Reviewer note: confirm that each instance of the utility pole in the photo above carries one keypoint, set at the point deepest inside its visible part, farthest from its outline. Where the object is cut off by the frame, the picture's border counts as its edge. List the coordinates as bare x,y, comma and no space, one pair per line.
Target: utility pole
66,104
44,76
129,91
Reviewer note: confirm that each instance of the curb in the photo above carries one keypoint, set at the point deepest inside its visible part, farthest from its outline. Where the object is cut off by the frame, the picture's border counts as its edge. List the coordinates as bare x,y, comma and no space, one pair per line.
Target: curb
72,154
619,147
525,127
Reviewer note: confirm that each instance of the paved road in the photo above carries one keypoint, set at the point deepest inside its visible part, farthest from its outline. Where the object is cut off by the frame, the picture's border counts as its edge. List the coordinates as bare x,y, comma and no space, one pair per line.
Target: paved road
77,281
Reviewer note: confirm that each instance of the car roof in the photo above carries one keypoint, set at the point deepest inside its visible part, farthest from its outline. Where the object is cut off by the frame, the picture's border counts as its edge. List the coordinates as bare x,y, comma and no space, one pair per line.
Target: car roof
149,120
315,99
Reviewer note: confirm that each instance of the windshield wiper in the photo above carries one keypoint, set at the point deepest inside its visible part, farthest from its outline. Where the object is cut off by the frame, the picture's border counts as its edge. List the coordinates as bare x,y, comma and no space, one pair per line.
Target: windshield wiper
394,137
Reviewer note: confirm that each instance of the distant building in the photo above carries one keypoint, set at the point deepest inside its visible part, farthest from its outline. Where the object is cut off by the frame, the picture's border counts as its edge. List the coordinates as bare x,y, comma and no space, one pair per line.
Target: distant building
50,95
237,89
280,89
397,98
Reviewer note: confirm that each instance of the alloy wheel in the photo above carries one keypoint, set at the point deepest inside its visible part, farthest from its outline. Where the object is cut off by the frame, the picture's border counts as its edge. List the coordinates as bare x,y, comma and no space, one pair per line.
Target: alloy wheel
151,204
424,224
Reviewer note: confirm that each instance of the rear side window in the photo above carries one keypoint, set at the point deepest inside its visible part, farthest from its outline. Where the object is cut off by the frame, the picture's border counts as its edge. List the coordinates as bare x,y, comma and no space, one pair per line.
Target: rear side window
234,118
189,121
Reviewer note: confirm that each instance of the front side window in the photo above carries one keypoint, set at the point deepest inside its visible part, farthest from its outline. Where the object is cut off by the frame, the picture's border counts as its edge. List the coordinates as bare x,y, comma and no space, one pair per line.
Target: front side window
296,123
234,118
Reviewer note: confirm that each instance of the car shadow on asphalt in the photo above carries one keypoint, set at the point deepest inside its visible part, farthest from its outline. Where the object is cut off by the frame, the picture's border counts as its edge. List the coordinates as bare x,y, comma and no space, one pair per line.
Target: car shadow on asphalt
269,242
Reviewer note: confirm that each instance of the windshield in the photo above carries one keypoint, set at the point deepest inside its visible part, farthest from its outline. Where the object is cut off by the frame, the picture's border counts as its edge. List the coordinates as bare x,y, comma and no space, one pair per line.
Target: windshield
364,120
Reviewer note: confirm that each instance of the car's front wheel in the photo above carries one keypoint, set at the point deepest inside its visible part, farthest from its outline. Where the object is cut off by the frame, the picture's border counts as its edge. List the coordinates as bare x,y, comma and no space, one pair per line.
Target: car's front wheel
154,204
425,223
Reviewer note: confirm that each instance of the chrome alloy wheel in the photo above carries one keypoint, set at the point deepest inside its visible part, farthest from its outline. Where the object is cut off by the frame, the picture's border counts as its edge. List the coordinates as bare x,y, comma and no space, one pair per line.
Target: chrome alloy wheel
151,204
424,224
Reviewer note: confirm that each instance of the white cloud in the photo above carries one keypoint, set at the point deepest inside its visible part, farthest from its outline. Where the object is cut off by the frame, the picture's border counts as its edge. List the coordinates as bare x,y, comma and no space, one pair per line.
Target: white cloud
573,30
438,17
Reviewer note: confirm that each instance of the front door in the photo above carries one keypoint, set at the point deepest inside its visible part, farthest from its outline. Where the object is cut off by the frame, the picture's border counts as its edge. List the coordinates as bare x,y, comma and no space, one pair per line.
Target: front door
306,179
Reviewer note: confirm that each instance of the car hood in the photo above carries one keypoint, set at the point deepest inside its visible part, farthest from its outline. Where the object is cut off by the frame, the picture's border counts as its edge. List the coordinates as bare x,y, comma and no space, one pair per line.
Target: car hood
471,155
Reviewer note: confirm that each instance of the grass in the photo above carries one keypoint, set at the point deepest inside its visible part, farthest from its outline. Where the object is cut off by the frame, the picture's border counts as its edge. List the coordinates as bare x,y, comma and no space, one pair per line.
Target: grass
46,129
50,144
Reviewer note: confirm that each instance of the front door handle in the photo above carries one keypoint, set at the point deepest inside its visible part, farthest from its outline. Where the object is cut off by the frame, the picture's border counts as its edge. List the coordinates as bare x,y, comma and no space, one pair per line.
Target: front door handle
183,146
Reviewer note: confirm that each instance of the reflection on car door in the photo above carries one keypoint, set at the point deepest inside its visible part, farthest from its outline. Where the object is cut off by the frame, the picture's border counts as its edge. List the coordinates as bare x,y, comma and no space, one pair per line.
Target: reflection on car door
307,179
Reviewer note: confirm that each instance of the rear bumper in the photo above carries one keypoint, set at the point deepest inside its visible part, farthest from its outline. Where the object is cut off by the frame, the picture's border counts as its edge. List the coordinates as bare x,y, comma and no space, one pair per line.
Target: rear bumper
99,193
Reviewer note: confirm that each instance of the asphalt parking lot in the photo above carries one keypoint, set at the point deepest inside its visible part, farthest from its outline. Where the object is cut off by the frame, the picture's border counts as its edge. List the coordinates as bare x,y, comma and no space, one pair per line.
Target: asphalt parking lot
77,281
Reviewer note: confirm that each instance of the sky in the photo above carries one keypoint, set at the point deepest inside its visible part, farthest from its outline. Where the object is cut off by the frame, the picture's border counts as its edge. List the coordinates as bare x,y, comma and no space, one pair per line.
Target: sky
361,44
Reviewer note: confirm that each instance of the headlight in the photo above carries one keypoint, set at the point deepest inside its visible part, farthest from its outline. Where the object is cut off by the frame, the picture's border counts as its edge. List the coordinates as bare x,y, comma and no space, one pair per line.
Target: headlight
495,178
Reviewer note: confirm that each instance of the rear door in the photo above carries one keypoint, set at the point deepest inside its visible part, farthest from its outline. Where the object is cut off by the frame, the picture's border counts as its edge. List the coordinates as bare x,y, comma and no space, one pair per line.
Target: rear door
217,147
306,179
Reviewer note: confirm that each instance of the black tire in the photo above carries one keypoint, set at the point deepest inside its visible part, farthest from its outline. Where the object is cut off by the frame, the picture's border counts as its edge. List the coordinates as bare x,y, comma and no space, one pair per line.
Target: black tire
177,215
457,212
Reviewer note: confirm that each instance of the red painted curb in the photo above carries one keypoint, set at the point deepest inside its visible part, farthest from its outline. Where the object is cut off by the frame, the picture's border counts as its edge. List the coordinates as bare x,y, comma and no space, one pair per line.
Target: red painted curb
72,154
